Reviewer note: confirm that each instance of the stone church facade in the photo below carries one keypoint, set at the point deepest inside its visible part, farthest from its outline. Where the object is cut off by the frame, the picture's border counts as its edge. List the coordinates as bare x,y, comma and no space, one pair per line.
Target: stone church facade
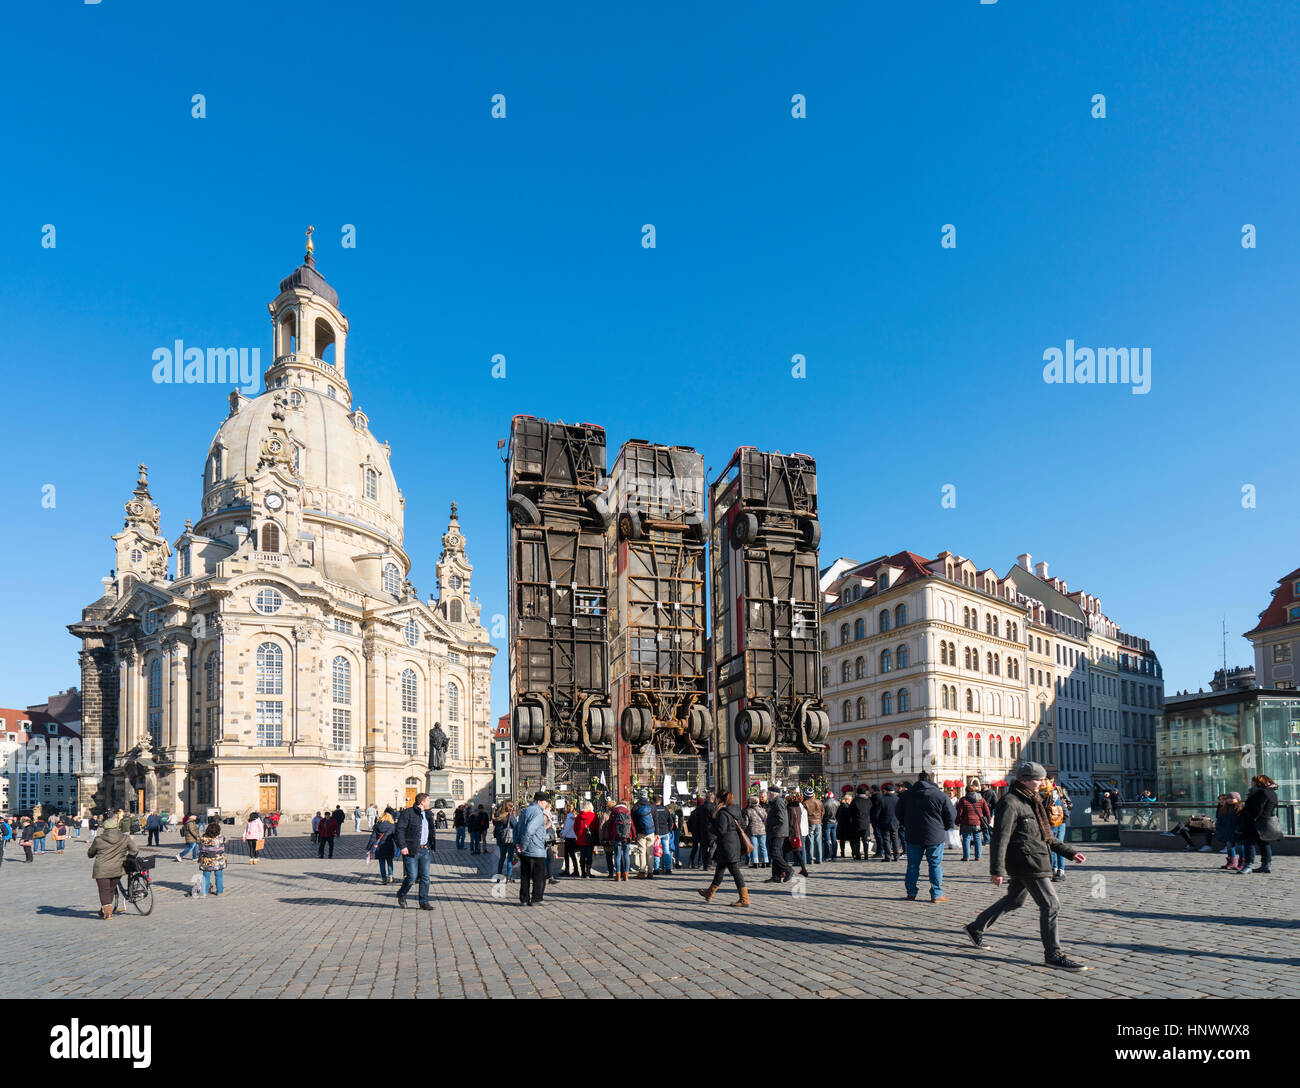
288,663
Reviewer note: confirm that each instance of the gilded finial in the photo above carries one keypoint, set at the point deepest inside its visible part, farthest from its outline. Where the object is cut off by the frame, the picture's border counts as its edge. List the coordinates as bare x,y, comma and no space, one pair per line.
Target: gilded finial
310,248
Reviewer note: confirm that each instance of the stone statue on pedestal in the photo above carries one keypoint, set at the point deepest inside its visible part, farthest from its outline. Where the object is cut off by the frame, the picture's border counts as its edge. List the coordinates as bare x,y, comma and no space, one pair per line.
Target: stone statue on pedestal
438,742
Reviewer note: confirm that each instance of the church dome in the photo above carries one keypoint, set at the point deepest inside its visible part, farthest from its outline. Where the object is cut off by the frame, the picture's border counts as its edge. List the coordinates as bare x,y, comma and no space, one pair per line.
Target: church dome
344,470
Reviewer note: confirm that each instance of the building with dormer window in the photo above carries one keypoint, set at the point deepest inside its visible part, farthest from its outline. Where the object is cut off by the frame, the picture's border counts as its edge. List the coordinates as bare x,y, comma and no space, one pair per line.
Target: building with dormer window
290,663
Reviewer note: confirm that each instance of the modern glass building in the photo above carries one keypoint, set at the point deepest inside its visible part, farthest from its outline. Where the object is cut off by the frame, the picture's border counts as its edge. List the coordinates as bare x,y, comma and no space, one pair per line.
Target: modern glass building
1215,742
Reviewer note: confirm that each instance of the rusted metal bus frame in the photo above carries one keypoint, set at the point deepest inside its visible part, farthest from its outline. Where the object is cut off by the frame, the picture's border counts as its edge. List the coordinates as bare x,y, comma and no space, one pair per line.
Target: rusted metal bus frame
562,725
772,723
658,618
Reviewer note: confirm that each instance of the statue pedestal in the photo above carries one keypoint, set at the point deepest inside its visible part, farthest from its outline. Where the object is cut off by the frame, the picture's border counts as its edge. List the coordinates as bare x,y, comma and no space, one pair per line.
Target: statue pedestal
437,785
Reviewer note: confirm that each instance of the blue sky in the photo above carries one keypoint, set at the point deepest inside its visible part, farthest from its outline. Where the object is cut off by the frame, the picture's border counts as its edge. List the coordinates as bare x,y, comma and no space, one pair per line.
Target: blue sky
775,237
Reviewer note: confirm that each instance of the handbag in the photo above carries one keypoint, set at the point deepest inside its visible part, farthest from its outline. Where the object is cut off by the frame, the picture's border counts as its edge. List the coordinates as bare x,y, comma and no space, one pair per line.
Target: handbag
952,837
746,845
261,845
1268,829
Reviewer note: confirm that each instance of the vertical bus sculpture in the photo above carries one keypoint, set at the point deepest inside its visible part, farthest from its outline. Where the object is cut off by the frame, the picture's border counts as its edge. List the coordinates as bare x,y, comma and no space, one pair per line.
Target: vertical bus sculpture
657,618
766,616
563,726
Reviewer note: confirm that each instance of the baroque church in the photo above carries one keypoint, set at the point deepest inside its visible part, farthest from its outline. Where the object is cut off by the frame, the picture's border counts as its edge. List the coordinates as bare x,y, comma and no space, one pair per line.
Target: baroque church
288,665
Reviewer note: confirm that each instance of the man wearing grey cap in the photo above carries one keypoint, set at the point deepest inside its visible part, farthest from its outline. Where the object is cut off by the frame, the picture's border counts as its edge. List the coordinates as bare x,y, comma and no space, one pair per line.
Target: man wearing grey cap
1022,849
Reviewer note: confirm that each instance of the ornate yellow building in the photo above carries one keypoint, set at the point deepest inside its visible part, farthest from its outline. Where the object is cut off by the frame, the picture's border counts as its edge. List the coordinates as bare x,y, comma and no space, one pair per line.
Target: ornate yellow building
289,664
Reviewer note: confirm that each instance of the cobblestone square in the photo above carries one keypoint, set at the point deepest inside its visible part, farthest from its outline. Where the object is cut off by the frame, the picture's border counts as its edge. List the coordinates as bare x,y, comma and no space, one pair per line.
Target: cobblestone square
1151,924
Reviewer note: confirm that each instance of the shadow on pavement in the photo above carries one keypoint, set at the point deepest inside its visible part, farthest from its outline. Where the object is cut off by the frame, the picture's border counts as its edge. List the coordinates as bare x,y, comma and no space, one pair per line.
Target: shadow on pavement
1199,919
802,935
374,903
1233,954
68,912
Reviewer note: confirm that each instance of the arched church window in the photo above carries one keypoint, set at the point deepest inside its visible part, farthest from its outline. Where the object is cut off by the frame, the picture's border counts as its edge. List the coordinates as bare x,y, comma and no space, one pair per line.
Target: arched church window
270,537
410,690
372,483
454,611
453,702
412,632
342,680
347,787
270,669
392,579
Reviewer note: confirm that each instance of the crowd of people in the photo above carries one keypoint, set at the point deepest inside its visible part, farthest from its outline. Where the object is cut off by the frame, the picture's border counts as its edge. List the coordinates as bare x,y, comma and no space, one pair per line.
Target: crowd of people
783,831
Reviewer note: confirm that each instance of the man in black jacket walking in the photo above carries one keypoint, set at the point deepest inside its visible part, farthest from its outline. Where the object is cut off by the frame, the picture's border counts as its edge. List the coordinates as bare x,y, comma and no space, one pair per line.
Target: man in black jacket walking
415,842
1022,849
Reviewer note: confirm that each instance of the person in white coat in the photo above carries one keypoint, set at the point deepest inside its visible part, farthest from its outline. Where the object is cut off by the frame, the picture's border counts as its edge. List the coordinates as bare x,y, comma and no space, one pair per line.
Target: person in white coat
254,832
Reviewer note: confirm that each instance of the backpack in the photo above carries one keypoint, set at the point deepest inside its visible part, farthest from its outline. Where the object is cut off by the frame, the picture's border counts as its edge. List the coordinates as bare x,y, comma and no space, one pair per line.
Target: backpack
622,824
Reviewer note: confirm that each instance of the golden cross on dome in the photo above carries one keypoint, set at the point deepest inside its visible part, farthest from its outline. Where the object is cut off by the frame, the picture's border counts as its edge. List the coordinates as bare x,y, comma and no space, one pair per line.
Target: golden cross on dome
310,247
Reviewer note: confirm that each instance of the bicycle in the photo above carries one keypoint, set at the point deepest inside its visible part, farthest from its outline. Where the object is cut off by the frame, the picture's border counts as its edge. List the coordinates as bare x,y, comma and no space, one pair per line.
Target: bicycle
138,890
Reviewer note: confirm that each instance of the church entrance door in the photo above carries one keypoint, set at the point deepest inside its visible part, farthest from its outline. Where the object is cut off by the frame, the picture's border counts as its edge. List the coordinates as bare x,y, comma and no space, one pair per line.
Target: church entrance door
410,795
268,793
139,802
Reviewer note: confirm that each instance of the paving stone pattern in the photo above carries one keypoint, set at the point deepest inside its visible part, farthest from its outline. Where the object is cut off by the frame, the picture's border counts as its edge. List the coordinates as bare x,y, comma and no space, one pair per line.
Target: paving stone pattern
1151,924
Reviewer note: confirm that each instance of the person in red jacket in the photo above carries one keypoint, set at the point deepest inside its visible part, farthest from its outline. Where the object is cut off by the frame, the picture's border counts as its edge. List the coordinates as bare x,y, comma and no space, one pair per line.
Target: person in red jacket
584,832
329,831
973,815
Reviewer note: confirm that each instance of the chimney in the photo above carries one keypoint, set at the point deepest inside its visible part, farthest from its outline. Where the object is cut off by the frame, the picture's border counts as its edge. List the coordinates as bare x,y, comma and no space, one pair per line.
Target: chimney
1040,569
1024,561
